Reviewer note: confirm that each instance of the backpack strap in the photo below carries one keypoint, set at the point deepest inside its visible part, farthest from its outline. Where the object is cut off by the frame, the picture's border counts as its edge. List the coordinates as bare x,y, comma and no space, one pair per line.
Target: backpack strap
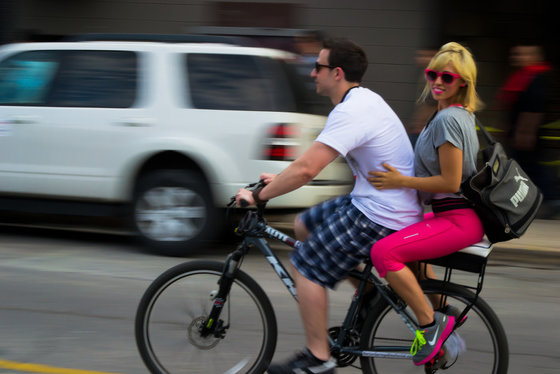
489,139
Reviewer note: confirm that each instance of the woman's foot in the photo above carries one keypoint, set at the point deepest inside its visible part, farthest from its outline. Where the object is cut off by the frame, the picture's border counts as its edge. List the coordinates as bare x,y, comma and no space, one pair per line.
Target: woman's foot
428,341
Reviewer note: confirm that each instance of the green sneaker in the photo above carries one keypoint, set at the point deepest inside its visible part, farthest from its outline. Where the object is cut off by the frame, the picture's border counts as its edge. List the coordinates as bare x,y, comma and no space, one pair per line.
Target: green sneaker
429,341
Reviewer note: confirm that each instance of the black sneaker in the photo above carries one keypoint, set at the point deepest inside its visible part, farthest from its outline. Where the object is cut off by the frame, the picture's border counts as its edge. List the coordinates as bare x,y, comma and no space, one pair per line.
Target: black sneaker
303,362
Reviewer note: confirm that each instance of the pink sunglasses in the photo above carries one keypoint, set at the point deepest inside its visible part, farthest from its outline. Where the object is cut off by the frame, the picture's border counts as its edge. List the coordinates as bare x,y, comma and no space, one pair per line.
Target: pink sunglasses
446,77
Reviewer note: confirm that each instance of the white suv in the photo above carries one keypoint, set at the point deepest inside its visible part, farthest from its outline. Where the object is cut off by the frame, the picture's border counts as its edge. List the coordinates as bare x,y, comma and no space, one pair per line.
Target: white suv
164,133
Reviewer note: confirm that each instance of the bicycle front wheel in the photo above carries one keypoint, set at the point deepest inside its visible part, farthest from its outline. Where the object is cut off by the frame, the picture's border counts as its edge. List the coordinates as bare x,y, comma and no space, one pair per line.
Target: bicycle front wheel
486,343
178,302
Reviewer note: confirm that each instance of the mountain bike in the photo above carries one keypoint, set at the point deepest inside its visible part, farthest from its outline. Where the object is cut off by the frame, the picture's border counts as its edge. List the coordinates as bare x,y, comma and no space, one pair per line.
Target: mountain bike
212,317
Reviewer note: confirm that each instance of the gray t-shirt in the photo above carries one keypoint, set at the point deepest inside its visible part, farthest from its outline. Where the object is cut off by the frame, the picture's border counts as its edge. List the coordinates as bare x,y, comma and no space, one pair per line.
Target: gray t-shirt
455,125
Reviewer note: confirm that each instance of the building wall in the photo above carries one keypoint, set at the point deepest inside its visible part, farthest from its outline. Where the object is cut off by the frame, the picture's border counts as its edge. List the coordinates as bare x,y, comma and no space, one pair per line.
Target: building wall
389,30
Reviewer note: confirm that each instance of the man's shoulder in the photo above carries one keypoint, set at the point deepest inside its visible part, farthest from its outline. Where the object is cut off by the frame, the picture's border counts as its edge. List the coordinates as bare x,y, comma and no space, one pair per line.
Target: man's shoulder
364,99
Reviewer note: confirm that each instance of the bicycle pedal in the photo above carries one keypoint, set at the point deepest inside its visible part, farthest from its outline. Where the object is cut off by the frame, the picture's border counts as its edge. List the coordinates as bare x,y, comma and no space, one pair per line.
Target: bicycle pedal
438,362
352,339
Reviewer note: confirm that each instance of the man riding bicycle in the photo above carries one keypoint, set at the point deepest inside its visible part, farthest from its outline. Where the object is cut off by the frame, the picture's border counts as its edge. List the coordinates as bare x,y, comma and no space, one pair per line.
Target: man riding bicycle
337,234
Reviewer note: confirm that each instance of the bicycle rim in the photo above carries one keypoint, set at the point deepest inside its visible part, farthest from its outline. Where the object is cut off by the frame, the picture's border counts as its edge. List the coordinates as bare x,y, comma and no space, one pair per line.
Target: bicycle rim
486,343
179,301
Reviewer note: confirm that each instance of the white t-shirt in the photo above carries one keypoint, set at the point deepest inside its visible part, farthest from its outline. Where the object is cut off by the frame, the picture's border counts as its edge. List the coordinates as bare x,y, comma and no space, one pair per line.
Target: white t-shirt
366,131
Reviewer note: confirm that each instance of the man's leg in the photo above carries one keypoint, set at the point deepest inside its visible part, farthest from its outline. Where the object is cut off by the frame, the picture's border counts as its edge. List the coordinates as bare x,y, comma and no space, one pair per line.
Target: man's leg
313,307
301,231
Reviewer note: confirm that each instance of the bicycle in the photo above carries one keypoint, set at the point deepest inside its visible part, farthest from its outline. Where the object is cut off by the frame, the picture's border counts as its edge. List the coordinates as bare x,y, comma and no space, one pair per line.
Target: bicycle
212,317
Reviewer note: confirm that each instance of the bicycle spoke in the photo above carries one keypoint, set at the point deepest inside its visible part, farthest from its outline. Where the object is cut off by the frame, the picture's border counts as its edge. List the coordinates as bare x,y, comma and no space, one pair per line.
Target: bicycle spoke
485,341
172,312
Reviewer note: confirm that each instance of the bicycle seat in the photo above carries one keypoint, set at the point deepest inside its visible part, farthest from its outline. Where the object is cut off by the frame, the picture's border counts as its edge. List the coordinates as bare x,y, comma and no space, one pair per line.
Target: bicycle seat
482,248
472,258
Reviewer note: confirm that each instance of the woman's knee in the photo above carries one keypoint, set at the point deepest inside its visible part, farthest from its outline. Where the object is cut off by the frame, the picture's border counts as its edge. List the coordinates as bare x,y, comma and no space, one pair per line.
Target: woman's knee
379,256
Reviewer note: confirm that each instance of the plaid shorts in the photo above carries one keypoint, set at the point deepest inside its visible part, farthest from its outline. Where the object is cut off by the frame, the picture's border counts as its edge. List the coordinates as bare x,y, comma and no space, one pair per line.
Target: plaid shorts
341,238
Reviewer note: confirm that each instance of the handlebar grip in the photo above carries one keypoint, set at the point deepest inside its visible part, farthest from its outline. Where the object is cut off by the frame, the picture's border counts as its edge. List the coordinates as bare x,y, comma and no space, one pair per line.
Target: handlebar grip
244,203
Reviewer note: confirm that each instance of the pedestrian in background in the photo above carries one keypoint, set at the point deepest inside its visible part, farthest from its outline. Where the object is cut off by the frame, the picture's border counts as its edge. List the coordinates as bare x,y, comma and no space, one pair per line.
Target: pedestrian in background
423,109
524,100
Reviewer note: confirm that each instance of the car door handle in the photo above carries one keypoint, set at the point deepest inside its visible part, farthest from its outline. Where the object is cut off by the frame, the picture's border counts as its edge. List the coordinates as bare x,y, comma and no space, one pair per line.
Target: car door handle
21,120
136,122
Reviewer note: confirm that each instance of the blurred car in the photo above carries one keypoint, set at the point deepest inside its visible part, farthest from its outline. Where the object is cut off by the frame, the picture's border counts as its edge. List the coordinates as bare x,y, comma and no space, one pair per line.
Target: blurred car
162,132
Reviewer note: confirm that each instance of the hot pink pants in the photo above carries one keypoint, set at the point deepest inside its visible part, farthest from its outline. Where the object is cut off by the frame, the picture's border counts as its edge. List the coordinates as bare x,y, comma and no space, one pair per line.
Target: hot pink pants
439,234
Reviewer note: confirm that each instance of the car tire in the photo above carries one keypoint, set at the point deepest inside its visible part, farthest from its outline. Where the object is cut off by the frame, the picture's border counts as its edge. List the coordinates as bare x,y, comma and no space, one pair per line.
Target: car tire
172,211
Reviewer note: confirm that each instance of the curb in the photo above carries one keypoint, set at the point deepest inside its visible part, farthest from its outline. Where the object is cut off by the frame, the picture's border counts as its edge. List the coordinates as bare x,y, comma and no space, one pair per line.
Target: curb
525,256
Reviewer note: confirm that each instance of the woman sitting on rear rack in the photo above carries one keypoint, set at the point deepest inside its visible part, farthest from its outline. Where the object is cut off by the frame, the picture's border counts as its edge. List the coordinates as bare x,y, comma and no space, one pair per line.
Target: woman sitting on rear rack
445,156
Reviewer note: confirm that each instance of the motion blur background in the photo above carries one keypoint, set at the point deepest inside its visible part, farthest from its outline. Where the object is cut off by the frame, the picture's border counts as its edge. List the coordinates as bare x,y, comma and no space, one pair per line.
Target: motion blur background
391,31
394,33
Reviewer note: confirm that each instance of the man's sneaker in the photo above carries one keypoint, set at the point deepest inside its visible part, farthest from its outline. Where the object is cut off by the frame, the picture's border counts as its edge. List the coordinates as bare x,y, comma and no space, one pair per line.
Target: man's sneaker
303,362
429,341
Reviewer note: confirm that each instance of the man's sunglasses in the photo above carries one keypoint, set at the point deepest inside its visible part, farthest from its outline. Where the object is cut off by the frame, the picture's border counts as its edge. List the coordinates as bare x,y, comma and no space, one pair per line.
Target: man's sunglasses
318,66
446,77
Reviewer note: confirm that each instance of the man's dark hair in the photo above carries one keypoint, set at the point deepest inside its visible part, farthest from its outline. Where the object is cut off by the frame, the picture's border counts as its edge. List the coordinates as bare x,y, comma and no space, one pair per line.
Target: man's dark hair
348,56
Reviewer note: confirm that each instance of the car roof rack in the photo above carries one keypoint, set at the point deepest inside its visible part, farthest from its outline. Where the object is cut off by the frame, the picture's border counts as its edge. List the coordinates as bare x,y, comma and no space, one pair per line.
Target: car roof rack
163,38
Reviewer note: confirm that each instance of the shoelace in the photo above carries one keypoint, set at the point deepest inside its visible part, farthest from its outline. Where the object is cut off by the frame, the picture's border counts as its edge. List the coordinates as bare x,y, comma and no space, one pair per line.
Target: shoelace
419,341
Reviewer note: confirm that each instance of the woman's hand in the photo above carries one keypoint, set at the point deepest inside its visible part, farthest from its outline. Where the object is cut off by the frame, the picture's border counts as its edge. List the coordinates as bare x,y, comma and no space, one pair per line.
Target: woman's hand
383,180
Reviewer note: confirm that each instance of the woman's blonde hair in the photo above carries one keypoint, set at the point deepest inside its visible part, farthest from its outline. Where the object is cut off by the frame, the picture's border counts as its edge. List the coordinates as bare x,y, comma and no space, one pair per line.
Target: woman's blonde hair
463,61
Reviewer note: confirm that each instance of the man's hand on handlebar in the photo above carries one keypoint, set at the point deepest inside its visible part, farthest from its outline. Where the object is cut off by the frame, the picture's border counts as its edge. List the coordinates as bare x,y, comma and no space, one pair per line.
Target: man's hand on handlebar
244,198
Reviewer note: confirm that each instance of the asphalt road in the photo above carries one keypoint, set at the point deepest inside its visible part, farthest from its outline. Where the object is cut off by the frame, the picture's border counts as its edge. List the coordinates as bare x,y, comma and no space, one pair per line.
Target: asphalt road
68,302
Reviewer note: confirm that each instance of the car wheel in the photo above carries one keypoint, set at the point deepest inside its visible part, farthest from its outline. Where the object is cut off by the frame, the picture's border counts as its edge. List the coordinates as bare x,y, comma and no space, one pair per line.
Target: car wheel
172,211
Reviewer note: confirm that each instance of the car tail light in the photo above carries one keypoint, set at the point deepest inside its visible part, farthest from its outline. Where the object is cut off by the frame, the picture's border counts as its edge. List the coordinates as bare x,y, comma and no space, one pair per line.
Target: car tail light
282,142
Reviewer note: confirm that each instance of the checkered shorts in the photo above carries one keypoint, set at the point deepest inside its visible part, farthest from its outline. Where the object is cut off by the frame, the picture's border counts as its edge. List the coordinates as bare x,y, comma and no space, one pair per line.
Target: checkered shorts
341,238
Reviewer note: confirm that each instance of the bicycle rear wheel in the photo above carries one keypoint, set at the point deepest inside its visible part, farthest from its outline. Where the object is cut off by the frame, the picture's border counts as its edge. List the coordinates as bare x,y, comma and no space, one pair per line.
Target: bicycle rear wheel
486,342
179,300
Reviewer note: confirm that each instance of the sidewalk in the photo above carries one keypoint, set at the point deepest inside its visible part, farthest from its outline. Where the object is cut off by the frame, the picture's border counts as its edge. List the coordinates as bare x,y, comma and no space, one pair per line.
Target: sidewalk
542,235
540,244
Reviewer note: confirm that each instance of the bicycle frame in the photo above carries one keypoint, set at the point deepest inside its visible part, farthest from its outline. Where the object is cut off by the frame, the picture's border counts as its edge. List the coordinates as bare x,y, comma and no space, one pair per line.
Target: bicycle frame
255,231
255,237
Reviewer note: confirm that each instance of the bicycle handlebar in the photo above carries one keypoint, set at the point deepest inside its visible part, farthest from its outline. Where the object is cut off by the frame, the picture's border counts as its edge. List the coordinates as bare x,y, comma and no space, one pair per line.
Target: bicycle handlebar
250,186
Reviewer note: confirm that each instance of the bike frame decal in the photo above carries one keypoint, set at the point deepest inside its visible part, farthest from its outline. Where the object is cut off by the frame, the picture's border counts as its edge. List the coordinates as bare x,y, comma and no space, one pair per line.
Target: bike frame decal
282,237
283,274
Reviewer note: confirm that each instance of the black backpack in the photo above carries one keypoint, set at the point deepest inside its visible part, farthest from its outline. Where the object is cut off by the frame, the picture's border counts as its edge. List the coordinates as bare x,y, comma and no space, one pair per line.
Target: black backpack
502,194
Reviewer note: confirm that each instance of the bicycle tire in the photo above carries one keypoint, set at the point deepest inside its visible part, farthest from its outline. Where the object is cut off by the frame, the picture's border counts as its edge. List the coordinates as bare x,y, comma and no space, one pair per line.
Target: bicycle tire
486,342
179,299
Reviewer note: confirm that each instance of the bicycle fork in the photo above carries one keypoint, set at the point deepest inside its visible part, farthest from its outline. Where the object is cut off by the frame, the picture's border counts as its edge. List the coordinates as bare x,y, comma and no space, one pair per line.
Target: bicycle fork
213,324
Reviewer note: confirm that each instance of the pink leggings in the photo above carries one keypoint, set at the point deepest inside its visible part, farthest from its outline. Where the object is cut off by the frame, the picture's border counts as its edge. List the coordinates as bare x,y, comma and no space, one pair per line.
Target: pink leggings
437,235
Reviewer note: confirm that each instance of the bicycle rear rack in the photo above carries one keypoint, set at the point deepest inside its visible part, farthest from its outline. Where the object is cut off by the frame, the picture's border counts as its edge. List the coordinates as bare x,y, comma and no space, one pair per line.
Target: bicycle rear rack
472,259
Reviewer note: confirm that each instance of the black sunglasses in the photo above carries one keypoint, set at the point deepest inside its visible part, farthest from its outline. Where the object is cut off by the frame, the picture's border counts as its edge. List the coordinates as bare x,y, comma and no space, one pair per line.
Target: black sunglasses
318,66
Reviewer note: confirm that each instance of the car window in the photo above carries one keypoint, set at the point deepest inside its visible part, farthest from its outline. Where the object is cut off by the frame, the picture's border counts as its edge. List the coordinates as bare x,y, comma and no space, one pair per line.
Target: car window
228,82
25,78
87,78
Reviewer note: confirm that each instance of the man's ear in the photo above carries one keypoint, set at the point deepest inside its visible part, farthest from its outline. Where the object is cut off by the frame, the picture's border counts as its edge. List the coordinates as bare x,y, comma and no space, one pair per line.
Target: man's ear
340,73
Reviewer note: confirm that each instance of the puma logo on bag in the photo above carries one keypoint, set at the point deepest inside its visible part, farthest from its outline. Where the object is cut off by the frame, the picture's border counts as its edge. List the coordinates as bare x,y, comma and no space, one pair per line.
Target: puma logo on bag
518,177
521,192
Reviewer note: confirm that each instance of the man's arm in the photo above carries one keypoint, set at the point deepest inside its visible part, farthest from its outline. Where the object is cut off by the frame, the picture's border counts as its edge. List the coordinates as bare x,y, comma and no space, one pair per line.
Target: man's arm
297,174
